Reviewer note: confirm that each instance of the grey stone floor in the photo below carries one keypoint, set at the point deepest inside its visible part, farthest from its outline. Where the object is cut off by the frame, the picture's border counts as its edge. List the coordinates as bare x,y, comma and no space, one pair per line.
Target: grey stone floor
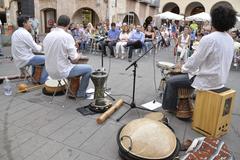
33,129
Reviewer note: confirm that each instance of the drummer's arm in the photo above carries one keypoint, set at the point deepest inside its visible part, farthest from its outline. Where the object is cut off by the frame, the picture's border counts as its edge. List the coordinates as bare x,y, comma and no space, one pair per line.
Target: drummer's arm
195,61
72,50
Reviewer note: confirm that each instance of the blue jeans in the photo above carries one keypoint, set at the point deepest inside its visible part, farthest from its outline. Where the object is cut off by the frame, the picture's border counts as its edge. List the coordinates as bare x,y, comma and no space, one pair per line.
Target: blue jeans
39,60
83,70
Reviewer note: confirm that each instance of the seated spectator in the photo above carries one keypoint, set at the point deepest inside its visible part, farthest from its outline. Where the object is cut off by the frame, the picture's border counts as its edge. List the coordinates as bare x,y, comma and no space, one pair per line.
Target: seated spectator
183,45
111,40
123,38
135,41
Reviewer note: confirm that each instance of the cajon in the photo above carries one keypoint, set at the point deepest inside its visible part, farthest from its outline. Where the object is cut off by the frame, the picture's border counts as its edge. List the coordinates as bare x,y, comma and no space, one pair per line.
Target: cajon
212,112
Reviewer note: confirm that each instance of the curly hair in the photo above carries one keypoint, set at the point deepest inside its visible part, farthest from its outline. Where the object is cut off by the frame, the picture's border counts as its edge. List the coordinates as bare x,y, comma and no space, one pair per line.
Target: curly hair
223,18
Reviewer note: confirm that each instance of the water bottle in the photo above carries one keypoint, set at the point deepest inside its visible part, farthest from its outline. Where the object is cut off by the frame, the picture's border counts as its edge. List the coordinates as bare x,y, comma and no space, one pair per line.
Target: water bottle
7,87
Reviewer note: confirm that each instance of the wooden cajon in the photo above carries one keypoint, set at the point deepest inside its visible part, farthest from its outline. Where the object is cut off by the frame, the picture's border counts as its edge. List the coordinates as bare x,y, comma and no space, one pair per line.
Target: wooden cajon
212,112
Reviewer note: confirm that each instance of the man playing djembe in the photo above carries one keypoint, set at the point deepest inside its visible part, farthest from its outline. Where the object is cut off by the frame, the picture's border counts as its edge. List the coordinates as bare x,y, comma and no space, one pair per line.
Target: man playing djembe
209,66
60,50
23,46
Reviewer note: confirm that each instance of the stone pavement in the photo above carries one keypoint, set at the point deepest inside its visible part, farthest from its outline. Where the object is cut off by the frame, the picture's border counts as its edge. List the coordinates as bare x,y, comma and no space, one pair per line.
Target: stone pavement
33,129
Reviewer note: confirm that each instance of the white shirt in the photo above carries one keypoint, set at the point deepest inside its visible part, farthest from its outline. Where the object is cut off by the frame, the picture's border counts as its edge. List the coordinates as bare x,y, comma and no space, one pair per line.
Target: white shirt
22,46
59,46
213,58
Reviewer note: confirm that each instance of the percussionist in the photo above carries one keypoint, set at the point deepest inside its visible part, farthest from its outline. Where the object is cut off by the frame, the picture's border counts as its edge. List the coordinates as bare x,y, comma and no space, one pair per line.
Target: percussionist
208,67
60,50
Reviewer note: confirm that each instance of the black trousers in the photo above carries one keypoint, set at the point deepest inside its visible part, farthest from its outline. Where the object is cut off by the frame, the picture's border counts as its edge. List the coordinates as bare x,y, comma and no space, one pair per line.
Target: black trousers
170,96
133,45
110,45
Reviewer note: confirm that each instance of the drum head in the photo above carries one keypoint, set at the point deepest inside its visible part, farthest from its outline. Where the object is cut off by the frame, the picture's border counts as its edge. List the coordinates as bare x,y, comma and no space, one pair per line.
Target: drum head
157,116
51,85
147,139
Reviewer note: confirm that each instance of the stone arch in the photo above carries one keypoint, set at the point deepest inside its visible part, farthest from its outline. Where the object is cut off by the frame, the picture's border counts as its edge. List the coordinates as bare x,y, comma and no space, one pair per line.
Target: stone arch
194,8
224,3
85,15
48,18
131,18
171,7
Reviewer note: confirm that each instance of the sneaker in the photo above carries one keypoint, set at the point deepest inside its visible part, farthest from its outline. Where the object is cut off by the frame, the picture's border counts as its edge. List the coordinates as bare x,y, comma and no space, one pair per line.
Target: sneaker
116,56
122,57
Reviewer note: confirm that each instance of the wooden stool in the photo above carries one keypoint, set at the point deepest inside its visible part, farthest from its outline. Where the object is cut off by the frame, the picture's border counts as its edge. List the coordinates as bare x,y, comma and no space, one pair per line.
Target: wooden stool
184,107
212,112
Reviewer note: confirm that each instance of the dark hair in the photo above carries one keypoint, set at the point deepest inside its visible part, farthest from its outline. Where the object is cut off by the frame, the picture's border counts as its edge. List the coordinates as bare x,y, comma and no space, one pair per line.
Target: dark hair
22,19
155,27
223,18
113,24
63,21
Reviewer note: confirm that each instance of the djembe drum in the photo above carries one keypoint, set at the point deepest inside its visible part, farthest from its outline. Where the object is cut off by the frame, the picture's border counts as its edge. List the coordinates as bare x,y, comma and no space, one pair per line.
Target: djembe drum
74,85
184,107
52,86
75,81
37,73
100,103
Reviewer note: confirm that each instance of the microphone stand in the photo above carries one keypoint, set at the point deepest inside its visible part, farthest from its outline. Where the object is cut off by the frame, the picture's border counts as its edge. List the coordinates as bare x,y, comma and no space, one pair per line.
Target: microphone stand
133,104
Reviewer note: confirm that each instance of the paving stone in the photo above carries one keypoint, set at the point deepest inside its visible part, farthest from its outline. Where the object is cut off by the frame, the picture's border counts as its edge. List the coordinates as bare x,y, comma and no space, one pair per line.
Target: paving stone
66,153
32,116
13,142
103,138
26,149
86,156
56,124
22,113
68,129
46,151
9,130
82,135
232,140
15,108
235,124
36,124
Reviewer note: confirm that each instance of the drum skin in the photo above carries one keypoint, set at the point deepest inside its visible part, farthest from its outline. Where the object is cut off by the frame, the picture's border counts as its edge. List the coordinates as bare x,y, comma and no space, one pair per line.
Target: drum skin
157,116
51,85
146,139
165,65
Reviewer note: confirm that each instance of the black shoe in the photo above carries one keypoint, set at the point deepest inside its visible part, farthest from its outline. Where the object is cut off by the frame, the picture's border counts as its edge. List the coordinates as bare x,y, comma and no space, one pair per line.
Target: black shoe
1,54
104,55
129,59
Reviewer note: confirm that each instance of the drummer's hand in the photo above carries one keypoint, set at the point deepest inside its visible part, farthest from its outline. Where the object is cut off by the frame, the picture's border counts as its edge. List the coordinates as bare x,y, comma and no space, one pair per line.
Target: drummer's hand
75,61
178,66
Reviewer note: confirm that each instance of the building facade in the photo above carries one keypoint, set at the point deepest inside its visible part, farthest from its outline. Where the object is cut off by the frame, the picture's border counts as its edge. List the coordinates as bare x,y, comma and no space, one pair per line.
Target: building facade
189,7
95,11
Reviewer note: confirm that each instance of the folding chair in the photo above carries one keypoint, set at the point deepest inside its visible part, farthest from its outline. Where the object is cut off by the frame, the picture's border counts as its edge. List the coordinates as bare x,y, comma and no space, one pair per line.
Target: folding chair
27,74
67,87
